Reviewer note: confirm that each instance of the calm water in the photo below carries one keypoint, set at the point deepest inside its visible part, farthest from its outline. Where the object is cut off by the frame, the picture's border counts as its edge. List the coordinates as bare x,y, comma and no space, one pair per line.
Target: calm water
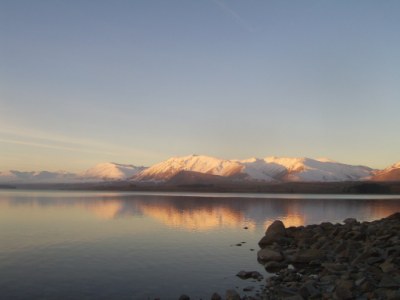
90,245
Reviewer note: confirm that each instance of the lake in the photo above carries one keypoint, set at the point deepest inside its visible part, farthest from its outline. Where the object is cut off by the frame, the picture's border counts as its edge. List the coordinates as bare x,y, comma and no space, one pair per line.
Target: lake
111,245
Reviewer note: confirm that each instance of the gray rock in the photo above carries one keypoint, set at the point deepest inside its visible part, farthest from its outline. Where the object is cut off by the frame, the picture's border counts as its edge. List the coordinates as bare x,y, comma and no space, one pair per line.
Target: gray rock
216,296
251,274
393,295
269,255
306,256
344,289
388,267
232,295
243,274
350,221
295,297
308,290
274,266
277,228
275,232
388,281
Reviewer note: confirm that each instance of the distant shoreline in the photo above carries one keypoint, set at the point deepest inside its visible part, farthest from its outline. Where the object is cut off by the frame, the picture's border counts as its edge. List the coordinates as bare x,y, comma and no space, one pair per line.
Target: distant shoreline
385,188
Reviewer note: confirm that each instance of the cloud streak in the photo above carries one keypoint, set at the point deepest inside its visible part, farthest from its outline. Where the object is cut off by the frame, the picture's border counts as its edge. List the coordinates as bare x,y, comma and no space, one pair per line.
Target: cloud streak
40,139
49,146
235,16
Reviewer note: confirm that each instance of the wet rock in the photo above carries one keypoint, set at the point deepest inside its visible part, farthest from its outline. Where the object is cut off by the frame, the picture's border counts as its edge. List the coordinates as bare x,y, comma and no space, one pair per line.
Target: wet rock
216,296
243,274
274,266
295,297
276,228
350,221
308,290
275,232
392,294
388,267
344,289
256,275
306,256
269,255
248,288
249,274
334,261
388,281
232,295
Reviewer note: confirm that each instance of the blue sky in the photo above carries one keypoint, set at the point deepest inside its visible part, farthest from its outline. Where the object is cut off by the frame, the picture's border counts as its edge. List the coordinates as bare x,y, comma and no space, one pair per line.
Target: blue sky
83,82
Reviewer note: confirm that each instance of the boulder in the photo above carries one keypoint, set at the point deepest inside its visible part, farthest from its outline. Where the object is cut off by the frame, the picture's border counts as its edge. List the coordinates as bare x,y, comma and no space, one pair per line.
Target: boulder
350,221
275,232
306,256
216,296
344,289
232,295
276,228
269,255
274,266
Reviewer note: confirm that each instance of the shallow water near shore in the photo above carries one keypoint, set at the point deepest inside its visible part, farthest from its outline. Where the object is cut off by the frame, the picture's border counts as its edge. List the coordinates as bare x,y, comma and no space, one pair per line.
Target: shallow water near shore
103,245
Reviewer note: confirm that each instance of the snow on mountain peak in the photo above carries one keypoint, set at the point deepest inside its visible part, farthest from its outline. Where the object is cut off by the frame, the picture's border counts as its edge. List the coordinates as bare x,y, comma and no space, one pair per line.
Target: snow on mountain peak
194,163
268,169
396,165
111,171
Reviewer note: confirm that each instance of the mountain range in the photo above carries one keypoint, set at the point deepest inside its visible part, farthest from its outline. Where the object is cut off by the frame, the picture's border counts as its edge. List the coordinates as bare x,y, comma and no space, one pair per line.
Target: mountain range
200,169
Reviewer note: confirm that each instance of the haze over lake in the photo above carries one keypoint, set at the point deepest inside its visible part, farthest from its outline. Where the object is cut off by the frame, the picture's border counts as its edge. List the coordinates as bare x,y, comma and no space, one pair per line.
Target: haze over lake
102,245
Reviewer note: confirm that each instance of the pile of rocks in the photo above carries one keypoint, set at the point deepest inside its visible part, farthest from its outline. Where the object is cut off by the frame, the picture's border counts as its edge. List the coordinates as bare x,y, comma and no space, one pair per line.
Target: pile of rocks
333,261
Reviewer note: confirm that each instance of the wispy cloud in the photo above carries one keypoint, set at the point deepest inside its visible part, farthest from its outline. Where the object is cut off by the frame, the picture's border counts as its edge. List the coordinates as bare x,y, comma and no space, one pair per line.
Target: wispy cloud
42,139
235,16
49,146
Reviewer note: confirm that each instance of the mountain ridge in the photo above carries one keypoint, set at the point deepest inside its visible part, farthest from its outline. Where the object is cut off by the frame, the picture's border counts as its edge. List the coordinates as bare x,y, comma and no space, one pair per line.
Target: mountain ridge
271,169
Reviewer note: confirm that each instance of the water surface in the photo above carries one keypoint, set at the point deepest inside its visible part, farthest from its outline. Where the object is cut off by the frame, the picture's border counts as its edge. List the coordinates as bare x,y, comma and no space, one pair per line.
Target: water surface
103,245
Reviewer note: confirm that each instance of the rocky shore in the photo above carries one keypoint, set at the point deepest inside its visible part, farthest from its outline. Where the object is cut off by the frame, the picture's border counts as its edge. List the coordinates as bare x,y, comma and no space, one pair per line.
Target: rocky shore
333,261
352,260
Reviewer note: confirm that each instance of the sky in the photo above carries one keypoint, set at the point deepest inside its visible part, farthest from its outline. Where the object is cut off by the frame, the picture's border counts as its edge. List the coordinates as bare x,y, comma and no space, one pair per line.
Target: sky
84,82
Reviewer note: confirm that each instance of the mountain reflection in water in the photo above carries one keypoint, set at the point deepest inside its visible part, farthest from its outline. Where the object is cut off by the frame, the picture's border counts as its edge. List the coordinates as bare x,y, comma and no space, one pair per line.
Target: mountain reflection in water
207,213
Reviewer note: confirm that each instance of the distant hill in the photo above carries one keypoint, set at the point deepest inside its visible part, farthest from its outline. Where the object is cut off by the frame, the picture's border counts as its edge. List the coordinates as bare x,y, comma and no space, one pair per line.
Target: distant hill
206,170
391,173
270,169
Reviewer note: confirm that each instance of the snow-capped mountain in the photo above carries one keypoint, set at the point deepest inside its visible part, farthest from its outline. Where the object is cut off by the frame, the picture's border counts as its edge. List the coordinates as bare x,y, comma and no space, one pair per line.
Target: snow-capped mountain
391,173
307,169
111,171
100,172
194,163
14,176
267,169
205,169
